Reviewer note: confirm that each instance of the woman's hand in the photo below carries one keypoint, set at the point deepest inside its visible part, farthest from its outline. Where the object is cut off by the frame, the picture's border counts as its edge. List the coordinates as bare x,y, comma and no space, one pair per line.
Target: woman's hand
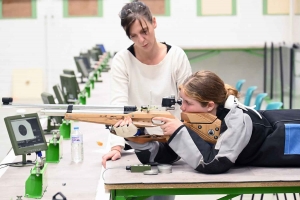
170,125
127,120
114,154
125,128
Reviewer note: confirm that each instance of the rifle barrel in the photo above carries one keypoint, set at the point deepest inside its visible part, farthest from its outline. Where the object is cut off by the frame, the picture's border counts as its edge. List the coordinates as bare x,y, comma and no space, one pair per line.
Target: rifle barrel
61,109
61,112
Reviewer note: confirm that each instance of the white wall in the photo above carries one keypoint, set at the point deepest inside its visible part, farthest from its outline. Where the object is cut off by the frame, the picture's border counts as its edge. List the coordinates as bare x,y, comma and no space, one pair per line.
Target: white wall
51,41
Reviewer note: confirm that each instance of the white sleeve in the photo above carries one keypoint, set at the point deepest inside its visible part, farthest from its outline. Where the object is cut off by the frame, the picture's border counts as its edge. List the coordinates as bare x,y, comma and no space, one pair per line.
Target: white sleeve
119,81
119,92
184,68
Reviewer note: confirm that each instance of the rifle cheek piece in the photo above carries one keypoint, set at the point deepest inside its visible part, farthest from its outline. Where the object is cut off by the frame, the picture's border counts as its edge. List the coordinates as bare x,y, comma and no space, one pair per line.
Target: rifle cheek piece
206,125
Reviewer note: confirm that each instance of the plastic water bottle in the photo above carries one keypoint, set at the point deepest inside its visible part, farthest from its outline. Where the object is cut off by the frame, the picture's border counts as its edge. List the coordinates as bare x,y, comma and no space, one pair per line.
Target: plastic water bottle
76,145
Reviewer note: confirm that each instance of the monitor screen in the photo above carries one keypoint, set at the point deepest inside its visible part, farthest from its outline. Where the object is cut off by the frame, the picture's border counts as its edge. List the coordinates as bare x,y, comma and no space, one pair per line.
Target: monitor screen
94,54
25,133
87,61
81,67
101,47
69,71
49,99
59,95
98,49
70,87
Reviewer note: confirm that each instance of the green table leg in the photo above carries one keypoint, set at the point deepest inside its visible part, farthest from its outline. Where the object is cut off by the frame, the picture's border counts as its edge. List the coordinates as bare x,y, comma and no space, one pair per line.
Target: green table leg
128,194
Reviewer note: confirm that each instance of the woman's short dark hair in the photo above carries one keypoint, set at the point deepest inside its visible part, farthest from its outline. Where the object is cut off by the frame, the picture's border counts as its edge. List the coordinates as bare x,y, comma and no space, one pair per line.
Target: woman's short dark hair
135,10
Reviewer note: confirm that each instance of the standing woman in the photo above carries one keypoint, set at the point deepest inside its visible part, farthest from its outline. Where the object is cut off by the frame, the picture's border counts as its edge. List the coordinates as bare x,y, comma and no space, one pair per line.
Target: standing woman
145,72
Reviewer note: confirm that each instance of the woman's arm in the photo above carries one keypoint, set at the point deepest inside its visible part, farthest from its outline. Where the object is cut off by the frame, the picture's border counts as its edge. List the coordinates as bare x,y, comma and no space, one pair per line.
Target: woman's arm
219,158
183,69
119,96
119,81
154,152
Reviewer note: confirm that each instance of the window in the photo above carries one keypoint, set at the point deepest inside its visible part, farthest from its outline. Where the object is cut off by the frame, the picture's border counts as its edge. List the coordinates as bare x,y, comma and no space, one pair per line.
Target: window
158,7
83,8
297,7
279,7
216,7
10,9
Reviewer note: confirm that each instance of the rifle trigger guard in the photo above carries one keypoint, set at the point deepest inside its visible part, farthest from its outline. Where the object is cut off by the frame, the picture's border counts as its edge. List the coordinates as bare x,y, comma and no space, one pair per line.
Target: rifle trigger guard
157,122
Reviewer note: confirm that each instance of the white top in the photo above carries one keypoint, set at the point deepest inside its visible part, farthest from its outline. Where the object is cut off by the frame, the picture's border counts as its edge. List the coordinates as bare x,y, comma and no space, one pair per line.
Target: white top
135,83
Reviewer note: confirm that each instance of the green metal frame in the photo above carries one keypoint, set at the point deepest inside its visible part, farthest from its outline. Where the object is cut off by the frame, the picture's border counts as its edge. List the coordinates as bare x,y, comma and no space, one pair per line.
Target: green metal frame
208,53
82,99
66,10
233,9
130,194
36,185
204,56
87,90
33,11
65,130
54,151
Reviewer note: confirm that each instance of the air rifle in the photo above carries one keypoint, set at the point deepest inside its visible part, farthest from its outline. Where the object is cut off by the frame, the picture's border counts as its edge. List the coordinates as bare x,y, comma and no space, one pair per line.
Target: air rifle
207,126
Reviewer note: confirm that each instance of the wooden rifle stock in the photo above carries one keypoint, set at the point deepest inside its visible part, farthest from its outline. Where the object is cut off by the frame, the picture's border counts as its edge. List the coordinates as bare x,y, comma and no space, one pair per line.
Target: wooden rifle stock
139,118
206,125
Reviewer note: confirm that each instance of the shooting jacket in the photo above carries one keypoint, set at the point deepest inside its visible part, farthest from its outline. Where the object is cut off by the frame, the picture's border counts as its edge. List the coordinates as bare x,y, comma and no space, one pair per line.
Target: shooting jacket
246,139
